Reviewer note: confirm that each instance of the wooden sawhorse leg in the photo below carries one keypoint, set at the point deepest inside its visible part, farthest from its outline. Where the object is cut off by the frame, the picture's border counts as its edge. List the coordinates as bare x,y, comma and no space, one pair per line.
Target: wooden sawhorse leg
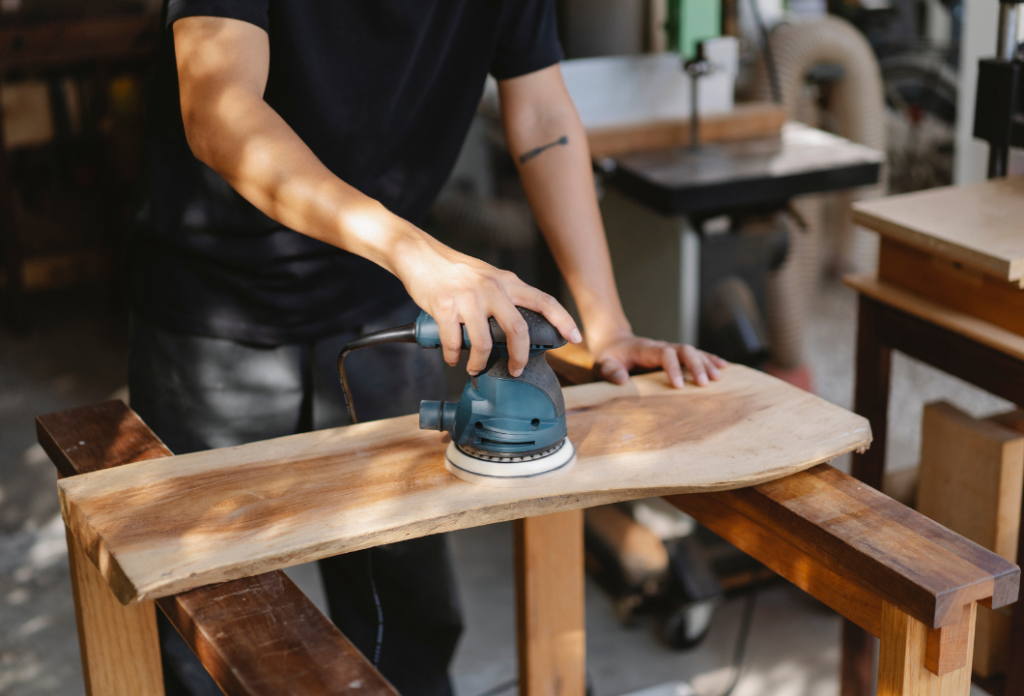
119,644
550,604
904,661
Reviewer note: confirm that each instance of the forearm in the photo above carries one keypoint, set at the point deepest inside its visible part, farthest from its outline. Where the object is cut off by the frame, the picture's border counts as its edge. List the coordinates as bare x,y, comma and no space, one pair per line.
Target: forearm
236,133
560,187
249,144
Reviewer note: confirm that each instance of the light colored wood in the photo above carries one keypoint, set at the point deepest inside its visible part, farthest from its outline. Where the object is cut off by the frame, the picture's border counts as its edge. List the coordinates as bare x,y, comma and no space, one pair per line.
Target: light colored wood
550,616
972,474
971,477
119,645
745,121
168,525
979,225
972,327
902,656
947,647
950,283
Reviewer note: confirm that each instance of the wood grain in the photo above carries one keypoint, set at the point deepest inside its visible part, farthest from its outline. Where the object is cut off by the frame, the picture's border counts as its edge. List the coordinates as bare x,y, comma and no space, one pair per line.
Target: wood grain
951,284
262,635
230,626
984,332
902,659
166,526
971,477
550,612
745,121
119,646
871,541
978,225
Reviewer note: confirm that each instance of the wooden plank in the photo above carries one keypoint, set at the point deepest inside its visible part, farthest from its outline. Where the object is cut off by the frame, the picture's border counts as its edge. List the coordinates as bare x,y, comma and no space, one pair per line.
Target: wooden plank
745,121
902,658
119,646
873,542
951,284
550,612
231,626
972,474
262,635
167,526
978,225
984,332
802,569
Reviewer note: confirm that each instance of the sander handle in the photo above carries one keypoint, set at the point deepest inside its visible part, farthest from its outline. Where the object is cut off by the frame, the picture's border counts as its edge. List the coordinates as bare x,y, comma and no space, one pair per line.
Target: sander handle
543,334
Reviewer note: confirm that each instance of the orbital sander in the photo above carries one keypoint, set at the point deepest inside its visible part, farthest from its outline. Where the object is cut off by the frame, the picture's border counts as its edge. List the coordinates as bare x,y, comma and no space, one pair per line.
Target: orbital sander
505,430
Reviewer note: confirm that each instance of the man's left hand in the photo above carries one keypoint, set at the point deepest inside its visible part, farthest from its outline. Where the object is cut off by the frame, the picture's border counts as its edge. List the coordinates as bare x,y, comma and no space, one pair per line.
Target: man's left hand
616,357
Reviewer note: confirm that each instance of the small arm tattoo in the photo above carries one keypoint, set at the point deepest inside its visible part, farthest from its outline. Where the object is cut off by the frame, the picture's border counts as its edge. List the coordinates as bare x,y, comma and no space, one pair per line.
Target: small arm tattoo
523,159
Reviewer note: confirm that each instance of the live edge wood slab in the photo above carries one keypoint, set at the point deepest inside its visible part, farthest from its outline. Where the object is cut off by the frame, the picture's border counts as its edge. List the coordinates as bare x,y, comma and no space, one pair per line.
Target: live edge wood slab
169,525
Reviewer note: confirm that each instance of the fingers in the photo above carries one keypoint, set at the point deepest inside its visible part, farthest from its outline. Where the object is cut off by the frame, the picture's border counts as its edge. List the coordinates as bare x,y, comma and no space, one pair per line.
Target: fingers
614,371
695,363
670,363
450,330
517,333
479,330
538,301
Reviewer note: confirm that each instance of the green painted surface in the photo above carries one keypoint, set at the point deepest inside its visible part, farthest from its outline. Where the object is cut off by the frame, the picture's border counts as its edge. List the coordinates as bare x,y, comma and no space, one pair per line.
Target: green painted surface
690,22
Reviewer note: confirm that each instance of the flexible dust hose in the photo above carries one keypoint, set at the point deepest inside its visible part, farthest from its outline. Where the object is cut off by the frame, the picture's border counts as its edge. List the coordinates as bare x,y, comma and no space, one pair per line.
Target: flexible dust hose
401,334
857,105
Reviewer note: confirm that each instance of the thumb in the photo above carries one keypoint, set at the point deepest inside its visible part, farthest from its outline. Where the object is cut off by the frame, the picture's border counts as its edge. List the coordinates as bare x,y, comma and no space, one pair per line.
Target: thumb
614,371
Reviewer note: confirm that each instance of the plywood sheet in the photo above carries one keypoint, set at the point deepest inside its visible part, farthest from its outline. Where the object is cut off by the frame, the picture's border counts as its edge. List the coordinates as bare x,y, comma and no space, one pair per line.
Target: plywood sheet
166,526
979,225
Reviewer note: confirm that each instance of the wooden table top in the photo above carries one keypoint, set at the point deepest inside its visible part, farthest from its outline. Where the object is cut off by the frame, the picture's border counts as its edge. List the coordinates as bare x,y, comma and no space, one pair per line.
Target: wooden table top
168,525
979,225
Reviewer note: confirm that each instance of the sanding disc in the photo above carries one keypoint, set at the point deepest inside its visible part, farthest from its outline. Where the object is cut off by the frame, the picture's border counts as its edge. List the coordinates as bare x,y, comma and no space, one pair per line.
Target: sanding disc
507,474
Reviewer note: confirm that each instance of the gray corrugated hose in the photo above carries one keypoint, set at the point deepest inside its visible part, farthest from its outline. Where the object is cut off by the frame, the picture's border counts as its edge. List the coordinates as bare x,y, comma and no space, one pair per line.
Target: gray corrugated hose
857,108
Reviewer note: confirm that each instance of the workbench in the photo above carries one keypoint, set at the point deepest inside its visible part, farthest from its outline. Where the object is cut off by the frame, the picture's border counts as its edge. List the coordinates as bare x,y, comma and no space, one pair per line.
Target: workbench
949,293
204,536
653,202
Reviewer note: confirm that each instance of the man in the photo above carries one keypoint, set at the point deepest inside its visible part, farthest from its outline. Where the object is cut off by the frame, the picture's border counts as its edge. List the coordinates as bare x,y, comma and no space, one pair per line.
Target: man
293,145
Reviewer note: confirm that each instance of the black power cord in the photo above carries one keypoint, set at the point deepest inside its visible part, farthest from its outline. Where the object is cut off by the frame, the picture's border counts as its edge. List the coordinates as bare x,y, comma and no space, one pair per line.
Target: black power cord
401,334
741,639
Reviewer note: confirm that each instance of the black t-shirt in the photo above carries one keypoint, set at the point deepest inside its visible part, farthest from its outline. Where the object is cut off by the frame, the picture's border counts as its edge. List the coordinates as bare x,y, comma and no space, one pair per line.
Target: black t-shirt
383,92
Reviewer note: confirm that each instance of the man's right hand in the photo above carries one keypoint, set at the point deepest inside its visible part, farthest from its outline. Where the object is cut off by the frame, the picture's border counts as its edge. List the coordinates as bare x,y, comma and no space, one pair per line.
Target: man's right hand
223,65
456,289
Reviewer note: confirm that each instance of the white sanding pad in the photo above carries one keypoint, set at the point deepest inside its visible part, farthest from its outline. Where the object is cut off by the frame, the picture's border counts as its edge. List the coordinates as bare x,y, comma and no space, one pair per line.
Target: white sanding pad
510,474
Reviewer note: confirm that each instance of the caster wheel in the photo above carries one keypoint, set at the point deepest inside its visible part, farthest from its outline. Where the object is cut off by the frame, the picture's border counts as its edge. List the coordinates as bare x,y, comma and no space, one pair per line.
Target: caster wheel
688,625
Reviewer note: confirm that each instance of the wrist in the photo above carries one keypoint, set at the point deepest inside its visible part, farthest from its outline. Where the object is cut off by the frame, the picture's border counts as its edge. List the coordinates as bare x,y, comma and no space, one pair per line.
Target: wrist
604,328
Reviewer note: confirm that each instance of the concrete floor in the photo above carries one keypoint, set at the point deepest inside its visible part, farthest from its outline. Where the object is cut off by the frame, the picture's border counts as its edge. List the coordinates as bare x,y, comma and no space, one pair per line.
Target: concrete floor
75,356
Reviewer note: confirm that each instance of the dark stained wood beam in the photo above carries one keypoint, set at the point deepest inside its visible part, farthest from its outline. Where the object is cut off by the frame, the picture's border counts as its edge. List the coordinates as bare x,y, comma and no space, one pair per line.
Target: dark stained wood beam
257,636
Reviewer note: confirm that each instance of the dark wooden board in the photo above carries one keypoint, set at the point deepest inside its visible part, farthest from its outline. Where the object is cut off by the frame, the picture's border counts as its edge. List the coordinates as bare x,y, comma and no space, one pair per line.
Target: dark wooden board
256,636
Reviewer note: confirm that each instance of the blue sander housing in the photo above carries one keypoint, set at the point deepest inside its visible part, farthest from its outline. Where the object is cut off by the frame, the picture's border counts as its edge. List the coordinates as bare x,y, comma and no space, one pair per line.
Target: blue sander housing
505,430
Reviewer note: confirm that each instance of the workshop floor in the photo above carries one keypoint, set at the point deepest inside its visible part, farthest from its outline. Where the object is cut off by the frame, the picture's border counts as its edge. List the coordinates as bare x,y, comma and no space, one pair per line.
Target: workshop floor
75,356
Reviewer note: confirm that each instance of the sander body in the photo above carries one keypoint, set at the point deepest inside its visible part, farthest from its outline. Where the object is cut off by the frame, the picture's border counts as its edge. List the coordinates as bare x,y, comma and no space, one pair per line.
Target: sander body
505,430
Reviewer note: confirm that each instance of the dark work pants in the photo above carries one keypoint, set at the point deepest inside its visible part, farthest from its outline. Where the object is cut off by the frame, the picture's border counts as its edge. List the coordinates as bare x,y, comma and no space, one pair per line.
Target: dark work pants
200,393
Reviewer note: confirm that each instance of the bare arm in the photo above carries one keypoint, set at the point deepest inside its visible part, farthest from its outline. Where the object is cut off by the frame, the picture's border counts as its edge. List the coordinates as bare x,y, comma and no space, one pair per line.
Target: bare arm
549,144
223,66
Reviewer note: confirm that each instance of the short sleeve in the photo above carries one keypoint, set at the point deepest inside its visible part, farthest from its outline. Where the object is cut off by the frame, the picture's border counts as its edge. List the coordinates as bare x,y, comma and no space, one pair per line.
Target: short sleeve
253,11
527,38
